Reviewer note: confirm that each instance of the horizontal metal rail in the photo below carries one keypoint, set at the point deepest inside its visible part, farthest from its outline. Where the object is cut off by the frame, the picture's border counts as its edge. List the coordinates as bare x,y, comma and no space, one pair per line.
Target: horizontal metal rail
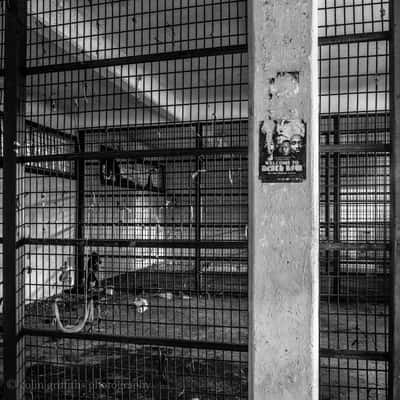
354,38
143,340
355,148
355,355
140,59
187,244
165,224
134,154
324,245
188,158
353,224
167,124
214,258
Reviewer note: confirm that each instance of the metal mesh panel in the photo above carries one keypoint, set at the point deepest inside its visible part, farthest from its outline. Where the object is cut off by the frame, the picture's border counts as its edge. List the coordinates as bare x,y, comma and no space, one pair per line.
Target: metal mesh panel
2,39
347,17
354,77
133,204
2,35
363,378
355,204
75,31
93,369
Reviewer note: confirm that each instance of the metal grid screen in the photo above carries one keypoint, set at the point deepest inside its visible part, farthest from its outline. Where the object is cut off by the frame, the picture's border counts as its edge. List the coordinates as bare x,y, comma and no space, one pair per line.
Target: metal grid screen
132,195
355,204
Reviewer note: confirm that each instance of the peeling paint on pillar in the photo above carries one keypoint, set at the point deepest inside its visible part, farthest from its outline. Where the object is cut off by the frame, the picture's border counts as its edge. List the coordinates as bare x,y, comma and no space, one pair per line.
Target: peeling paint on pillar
283,229
286,84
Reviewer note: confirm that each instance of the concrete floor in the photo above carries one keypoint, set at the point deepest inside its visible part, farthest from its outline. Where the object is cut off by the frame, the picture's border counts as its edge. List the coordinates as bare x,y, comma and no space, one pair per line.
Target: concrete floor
194,372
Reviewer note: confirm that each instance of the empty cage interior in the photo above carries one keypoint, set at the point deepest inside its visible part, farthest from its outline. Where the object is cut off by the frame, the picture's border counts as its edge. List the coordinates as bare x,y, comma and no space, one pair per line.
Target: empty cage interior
355,202
132,200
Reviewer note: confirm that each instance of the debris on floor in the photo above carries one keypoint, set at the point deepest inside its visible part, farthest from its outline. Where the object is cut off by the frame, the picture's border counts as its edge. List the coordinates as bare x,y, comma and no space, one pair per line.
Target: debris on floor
166,295
141,305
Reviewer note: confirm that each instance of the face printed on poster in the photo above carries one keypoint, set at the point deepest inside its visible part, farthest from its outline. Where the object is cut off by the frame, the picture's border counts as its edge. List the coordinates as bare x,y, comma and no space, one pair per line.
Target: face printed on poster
282,150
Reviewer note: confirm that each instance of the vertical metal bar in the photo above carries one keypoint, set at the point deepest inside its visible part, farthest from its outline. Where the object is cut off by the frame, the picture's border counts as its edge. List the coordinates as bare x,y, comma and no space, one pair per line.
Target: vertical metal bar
15,48
394,373
197,206
327,198
80,218
336,208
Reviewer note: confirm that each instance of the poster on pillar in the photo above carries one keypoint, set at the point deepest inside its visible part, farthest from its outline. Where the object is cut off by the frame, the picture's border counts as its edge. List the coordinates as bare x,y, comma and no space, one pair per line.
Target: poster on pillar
282,150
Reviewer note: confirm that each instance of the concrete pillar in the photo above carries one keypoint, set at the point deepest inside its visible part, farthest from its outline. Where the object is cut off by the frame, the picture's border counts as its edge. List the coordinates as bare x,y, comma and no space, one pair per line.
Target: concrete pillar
283,215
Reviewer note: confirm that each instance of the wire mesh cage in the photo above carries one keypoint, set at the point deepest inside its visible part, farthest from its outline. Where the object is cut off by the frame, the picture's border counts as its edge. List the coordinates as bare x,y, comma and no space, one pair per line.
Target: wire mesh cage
355,199
132,200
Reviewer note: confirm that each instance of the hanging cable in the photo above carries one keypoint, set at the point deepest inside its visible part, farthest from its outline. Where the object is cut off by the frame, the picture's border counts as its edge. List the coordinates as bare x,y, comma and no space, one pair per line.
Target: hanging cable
191,214
196,173
89,310
89,306
85,93
230,176
78,327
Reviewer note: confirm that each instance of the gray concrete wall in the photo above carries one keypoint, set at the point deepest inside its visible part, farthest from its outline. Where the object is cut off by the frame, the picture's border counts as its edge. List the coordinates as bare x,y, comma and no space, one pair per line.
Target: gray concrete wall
283,216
